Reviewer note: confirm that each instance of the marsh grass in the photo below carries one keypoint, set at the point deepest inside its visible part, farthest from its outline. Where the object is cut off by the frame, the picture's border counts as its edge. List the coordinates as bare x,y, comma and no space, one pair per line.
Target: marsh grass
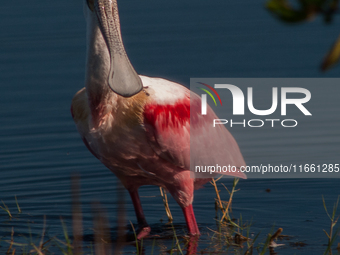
232,234
31,246
166,204
332,234
228,236
5,208
16,202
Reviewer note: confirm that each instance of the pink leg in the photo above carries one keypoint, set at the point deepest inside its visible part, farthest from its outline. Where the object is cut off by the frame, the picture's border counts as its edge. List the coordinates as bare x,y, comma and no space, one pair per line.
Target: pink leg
182,190
190,220
143,227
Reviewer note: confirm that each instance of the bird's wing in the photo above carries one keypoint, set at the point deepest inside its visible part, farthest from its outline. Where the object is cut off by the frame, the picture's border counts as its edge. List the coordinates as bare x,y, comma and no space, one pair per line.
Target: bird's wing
167,123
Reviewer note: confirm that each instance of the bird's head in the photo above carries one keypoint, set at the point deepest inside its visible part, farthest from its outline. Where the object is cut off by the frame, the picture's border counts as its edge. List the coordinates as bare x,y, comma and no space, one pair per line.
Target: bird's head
122,78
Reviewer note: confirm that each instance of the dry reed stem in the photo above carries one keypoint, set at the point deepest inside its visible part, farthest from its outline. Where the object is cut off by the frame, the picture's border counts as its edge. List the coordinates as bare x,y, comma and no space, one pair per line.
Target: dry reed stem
41,244
213,182
77,219
166,204
101,232
5,208
231,194
37,250
11,243
276,234
120,219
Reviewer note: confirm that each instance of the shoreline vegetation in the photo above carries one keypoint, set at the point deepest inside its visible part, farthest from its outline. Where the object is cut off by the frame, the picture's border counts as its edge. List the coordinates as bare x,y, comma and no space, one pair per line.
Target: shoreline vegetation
232,235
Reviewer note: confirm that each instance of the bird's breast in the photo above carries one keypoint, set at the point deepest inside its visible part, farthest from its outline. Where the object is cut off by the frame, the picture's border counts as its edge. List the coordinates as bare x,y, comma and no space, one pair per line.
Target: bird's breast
114,130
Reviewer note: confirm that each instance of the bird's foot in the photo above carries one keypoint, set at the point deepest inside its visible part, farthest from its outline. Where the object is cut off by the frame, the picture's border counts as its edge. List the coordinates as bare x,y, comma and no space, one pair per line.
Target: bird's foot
143,231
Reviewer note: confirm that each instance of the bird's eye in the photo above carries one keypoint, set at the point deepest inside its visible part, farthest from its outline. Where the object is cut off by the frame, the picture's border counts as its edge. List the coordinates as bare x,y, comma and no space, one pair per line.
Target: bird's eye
90,4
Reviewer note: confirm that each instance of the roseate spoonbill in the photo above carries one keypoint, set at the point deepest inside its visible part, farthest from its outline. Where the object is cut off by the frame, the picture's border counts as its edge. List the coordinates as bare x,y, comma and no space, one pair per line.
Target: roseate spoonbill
138,126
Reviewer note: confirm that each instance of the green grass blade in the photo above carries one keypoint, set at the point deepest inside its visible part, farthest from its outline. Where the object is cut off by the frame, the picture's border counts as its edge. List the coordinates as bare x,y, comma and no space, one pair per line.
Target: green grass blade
16,201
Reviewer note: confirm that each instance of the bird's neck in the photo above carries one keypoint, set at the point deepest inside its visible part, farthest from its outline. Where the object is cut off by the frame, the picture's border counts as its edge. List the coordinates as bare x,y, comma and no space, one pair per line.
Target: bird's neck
103,102
97,70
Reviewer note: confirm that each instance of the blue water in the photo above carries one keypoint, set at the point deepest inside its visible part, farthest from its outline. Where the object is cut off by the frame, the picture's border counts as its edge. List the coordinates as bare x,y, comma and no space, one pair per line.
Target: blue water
42,53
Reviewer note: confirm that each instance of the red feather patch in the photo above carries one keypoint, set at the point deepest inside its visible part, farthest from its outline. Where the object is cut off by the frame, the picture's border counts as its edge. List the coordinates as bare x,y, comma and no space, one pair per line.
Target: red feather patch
169,115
